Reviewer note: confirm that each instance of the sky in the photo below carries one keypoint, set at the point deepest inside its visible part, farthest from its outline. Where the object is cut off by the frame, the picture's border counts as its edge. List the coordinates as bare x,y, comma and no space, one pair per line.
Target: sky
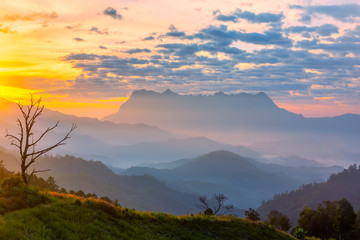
87,57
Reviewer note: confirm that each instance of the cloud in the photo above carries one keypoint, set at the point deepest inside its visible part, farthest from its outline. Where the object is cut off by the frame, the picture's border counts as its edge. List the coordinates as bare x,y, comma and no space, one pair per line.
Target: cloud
98,31
173,32
249,16
296,7
149,38
112,13
223,36
86,56
327,29
80,56
5,30
137,50
77,39
74,27
102,47
344,12
338,47
323,30
215,58
30,17
279,69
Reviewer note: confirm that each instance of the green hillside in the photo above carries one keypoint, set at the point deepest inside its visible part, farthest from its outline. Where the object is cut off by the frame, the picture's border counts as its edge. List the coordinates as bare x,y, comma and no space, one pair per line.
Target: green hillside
340,185
35,212
68,217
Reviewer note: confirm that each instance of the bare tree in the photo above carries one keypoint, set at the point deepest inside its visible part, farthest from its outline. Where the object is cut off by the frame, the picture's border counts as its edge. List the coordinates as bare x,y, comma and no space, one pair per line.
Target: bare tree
214,206
25,140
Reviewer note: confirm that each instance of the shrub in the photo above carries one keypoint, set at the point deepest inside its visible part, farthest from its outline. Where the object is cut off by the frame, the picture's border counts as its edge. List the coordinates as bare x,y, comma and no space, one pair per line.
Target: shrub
12,186
300,233
209,212
77,202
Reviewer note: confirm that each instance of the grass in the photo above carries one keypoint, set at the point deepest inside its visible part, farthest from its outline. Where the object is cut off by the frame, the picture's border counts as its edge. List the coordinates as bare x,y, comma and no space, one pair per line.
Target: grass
70,217
31,213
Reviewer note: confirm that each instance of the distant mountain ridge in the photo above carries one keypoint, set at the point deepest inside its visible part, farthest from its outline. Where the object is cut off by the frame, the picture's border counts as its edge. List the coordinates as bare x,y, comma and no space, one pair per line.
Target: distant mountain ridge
171,110
247,119
222,171
107,132
225,171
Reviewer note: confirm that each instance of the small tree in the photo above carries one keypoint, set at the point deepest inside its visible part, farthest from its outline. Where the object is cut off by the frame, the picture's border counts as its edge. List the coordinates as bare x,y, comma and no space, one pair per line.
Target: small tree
279,220
214,206
252,215
26,142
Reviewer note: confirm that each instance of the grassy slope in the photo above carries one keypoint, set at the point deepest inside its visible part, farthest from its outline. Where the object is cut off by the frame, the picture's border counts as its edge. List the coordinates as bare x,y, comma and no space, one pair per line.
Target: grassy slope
93,219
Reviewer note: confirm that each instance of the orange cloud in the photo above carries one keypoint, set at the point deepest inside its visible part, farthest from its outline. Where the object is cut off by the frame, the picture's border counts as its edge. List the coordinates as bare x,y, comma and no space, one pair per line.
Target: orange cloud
30,17
5,29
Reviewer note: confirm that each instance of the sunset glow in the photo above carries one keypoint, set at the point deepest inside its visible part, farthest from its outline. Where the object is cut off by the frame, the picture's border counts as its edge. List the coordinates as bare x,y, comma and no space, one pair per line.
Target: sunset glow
86,59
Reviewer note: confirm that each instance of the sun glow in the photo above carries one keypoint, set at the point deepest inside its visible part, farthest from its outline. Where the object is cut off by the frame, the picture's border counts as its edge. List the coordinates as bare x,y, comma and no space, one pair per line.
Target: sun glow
15,94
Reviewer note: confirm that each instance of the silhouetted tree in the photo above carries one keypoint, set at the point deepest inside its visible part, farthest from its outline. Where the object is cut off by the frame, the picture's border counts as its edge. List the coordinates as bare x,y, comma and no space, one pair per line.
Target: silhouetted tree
214,206
26,142
279,220
330,220
252,215
80,193
345,219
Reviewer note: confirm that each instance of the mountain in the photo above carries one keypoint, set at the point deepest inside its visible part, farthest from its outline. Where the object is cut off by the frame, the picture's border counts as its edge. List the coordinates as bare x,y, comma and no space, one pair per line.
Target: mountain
171,110
157,152
304,174
119,145
258,111
246,119
106,132
294,161
340,185
222,172
143,193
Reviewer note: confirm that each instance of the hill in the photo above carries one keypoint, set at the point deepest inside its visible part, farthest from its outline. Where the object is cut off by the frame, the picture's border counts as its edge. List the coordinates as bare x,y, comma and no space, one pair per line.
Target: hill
225,172
140,192
341,185
73,218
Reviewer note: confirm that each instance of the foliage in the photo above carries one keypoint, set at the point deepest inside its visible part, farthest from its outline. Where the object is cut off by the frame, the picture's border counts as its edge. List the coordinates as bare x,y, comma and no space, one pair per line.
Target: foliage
48,184
340,185
252,215
330,220
300,233
15,195
279,220
3,171
214,206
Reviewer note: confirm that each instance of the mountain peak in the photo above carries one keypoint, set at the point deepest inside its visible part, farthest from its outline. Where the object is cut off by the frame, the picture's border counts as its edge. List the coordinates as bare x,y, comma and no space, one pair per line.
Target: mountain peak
262,95
143,93
168,92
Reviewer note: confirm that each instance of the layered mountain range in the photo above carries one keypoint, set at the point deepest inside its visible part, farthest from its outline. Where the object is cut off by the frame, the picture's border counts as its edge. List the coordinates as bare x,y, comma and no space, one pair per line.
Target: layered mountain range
246,119
187,162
